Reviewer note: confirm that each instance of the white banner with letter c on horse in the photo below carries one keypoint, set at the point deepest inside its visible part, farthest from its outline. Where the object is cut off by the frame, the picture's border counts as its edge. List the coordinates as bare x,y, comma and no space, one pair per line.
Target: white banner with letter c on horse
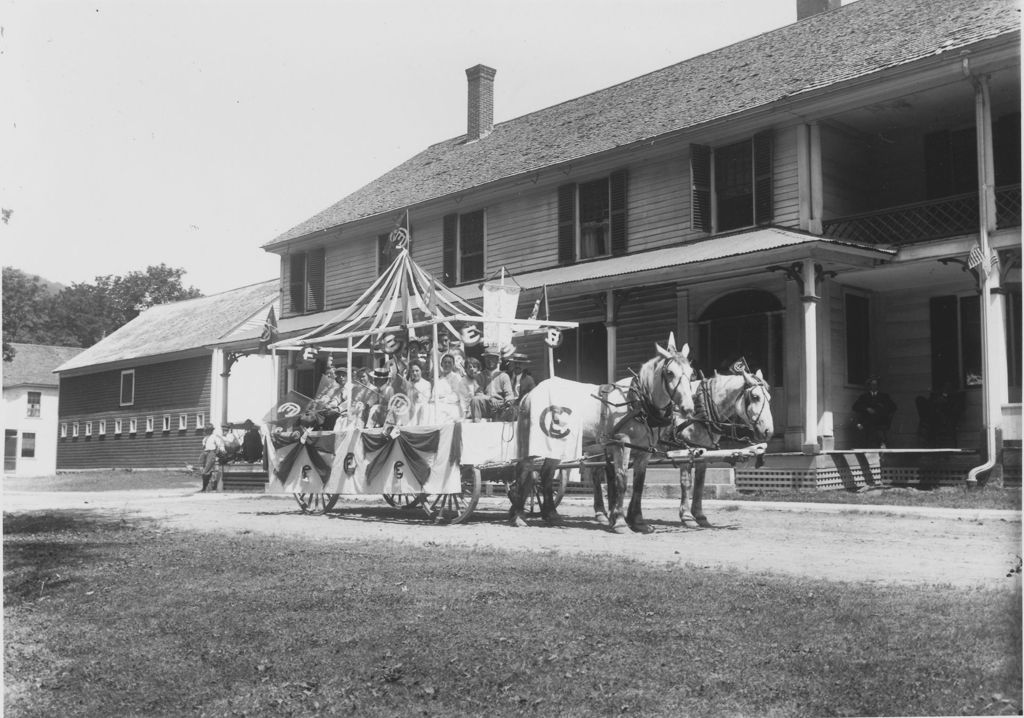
555,423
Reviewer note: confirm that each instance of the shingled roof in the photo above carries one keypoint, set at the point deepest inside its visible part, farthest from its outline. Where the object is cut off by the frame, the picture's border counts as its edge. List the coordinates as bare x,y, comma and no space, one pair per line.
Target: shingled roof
33,364
181,326
850,42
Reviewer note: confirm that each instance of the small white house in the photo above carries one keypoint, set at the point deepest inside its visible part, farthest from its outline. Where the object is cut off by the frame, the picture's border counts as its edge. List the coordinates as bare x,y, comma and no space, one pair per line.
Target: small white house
31,396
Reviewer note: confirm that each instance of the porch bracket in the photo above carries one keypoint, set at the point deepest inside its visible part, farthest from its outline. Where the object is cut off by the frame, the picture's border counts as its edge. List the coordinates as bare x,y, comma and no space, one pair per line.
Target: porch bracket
795,272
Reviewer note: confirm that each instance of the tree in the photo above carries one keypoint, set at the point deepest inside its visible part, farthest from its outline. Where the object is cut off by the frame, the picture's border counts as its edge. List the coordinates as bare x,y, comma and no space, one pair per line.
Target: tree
82,314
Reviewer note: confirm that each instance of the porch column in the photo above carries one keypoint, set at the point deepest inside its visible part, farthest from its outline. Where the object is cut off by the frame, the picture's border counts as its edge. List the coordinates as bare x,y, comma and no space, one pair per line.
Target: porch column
218,388
810,302
816,182
612,334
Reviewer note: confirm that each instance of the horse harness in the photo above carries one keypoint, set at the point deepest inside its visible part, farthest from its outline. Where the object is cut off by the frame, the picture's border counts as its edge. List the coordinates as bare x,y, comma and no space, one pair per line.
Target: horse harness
712,418
641,406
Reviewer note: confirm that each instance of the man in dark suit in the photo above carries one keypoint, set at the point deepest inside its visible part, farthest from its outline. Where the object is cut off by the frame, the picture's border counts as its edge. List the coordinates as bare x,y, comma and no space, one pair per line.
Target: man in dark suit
873,411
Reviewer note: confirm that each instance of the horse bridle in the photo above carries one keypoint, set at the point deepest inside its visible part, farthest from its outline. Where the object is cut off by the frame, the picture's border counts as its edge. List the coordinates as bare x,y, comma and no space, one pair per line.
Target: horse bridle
642,404
715,423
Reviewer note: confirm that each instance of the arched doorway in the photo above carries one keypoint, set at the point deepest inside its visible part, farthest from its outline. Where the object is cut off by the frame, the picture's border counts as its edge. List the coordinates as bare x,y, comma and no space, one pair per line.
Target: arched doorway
748,324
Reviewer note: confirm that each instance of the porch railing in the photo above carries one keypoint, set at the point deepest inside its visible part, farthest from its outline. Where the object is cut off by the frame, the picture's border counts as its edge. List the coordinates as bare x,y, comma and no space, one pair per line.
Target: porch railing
921,221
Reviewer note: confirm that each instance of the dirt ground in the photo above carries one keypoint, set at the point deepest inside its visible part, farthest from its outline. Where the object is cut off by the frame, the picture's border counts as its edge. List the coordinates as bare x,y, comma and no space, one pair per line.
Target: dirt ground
836,542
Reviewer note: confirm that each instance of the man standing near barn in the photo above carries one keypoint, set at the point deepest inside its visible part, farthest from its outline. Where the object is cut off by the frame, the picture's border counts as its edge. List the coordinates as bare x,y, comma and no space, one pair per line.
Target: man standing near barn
212,445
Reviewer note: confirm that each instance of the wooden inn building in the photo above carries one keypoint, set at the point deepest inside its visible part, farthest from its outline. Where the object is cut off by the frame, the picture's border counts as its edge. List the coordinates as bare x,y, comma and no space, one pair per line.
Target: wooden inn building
808,199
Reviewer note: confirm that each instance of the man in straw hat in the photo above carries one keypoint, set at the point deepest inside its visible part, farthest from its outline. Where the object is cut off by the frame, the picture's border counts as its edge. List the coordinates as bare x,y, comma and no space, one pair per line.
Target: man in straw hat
498,396
522,379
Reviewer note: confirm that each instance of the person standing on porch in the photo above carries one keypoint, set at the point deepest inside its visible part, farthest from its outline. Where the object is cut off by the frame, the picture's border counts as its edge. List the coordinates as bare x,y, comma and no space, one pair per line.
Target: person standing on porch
873,412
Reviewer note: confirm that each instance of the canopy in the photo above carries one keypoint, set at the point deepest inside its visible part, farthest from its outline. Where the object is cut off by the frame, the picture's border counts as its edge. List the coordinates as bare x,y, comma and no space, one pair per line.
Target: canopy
405,296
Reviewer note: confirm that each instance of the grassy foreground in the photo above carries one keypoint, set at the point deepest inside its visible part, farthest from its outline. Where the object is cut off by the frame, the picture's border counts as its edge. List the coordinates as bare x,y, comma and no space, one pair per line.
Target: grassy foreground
107,617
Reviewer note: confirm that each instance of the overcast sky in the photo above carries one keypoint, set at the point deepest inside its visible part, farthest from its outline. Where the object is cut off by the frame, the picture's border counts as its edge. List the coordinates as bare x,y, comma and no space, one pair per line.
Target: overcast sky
191,133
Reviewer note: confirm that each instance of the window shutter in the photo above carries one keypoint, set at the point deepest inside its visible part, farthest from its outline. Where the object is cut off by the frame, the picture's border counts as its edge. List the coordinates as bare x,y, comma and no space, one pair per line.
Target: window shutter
618,186
316,261
700,187
449,252
763,201
567,224
944,340
297,282
383,253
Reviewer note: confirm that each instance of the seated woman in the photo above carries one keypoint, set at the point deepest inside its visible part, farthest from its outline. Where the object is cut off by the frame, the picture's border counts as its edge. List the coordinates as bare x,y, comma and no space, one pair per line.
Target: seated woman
446,392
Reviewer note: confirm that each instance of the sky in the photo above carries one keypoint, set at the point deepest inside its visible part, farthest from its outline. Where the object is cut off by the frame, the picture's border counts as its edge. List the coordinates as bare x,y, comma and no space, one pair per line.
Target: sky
191,133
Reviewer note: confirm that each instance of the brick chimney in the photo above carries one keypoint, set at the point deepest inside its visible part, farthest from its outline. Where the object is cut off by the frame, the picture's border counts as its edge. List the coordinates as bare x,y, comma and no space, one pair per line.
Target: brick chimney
480,115
806,8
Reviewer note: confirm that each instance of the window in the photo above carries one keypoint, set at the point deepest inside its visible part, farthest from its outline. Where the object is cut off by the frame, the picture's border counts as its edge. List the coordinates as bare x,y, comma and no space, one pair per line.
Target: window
200,421
133,425
102,427
464,247
166,423
35,400
63,430
182,422
74,430
149,424
117,426
28,445
744,324
1014,322
583,355
858,339
955,324
592,218
88,428
306,281
731,186
127,387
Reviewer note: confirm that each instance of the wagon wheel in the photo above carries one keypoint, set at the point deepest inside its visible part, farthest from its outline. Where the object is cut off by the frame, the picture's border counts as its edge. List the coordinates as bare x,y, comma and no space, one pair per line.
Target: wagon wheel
559,484
455,508
316,504
404,501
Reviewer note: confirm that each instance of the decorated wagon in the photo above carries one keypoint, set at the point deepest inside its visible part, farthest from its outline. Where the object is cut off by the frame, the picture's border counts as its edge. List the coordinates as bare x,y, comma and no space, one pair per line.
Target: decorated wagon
373,430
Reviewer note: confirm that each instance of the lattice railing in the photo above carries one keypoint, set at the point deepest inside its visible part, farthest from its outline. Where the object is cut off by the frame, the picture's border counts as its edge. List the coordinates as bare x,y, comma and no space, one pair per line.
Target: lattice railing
922,221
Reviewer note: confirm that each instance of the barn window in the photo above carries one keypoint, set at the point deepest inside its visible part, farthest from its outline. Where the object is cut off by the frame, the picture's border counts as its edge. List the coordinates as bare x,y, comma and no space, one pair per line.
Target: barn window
592,218
306,281
74,430
101,427
88,428
117,426
63,430
182,422
200,421
744,324
166,424
464,247
149,424
127,387
731,186
133,425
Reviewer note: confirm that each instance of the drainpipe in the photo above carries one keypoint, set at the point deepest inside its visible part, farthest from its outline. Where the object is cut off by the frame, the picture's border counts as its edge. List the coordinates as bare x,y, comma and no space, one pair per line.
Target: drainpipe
982,132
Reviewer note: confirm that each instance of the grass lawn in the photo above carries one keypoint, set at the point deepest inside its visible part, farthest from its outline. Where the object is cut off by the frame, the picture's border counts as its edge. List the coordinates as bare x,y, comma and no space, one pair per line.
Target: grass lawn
112,617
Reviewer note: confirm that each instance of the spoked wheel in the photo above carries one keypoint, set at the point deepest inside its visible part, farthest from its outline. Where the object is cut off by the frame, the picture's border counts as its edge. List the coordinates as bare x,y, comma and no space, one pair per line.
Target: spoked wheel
560,481
316,504
455,508
404,501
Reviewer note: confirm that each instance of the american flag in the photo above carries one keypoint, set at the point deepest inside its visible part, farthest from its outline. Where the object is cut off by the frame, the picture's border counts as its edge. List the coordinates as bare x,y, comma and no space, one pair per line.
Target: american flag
975,258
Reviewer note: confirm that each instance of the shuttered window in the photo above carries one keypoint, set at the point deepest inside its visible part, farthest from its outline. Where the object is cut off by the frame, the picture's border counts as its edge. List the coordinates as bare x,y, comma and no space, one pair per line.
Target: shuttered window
306,278
731,186
592,218
955,324
464,244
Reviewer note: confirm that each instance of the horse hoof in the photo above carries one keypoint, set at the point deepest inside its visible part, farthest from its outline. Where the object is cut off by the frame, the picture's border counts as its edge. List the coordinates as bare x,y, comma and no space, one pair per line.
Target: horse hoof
687,520
620,527
642,527
601,518
703,522
553,518
518,522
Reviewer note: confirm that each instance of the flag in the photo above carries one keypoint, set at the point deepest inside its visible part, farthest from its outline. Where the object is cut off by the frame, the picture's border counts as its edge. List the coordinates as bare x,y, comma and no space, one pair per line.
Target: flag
739,366
288,410
976,259
269,334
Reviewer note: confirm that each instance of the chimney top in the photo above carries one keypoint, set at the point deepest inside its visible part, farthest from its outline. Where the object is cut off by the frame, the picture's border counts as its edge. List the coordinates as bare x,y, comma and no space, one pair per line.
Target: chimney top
480,108
807,8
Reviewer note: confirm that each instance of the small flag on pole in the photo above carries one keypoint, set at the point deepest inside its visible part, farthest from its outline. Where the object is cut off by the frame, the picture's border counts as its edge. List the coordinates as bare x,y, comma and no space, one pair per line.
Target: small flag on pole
269,334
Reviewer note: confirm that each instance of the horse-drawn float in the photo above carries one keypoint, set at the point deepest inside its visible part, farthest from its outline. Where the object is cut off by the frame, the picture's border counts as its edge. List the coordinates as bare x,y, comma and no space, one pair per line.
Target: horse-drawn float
424,445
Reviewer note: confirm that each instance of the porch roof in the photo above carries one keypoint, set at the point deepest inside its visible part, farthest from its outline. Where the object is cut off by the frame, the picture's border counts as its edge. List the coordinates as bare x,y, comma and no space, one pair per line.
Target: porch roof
716,249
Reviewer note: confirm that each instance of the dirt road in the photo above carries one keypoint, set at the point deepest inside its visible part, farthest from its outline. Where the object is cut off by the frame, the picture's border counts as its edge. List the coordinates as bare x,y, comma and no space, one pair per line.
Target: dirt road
837,542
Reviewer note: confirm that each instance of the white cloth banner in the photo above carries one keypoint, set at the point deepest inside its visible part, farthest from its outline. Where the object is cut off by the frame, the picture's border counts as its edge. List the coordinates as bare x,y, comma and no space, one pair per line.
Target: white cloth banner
556,427
500,303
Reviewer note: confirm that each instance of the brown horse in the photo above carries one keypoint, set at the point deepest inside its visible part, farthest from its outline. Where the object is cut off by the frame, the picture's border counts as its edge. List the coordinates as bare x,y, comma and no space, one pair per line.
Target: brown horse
734,407
626,419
